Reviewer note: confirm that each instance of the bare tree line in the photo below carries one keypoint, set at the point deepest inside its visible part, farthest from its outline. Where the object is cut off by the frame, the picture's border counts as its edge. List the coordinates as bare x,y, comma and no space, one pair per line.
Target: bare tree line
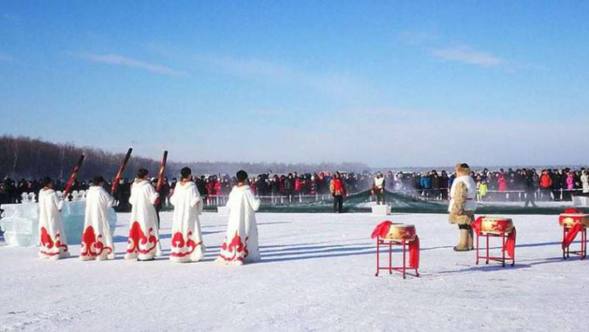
25,157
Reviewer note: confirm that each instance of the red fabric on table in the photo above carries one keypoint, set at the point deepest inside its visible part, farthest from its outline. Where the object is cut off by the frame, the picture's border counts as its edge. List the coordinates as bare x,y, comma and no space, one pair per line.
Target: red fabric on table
571,235
511,238
382,229
510,243
414,253
561,218
476,226
572,210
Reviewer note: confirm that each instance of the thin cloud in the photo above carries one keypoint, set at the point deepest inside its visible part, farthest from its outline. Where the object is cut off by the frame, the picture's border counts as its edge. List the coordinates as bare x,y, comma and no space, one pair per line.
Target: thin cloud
244,66
334,83
415,37
465,54
120,60
269,112
6,58
460,53
337,85
10,18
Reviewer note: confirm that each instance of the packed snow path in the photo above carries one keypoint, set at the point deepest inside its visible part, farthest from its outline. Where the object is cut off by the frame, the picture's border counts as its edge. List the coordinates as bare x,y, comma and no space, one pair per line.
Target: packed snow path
317,273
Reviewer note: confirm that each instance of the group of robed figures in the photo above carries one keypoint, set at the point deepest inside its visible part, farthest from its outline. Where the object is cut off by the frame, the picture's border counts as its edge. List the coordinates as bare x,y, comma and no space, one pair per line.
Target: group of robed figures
240,244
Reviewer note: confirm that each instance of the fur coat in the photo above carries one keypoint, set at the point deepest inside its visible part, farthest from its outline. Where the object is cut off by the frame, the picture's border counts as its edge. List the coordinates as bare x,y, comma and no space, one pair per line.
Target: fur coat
462,203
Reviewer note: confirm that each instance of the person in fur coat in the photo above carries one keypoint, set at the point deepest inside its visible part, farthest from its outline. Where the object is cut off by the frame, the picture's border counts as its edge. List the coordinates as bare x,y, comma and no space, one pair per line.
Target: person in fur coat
463,205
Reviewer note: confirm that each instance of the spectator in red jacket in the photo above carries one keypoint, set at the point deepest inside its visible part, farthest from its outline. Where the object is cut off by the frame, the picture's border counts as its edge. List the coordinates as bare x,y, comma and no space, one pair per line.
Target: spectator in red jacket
338,191
210,187
218,187
545,184
299,185
502,185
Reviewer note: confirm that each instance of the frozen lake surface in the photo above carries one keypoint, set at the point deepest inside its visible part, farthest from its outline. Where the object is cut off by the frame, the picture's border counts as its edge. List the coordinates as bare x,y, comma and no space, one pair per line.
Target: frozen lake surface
317,274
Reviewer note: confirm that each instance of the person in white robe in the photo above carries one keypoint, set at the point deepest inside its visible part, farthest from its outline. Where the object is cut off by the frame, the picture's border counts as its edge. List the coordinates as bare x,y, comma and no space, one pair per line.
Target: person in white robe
97,243
143,242
187,244
241,240
52,238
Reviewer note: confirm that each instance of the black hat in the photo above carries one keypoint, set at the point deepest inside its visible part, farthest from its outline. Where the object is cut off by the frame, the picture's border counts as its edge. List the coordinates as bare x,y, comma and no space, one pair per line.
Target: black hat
241,176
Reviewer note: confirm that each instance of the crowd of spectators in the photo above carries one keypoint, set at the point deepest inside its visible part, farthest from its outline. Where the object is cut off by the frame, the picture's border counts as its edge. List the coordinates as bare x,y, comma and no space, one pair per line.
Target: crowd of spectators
545,184
497,185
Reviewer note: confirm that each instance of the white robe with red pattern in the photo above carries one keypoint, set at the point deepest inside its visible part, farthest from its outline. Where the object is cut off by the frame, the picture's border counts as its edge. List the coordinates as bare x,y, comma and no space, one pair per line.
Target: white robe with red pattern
97,243
143,242
187,245
52,238
241,240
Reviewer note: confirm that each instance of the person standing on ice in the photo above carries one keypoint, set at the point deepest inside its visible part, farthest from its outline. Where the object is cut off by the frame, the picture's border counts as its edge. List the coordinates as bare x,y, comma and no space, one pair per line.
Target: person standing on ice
378,186
530,188
241,240
463,205
338,191
97,243
187,245
53,240
585,182
143,243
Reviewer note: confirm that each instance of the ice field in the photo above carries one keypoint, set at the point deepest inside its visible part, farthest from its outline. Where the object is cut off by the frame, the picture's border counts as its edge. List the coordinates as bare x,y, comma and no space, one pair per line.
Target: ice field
317,274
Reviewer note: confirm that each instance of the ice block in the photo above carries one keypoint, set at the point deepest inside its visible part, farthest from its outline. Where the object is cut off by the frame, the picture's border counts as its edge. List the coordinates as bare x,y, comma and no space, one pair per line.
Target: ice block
21,222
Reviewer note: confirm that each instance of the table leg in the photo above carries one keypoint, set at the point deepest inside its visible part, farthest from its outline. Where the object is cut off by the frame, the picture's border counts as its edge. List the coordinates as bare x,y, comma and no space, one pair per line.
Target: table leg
404,252
487,257
391,257
503,251
377,256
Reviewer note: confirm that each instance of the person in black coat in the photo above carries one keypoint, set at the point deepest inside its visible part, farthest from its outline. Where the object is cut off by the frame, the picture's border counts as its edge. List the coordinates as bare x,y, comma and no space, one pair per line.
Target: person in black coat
444,185
566,195
122,194
556,185
530,188
289,187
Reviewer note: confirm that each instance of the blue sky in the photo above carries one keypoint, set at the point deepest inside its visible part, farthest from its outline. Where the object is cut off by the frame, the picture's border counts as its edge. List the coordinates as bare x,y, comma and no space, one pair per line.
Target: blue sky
389,83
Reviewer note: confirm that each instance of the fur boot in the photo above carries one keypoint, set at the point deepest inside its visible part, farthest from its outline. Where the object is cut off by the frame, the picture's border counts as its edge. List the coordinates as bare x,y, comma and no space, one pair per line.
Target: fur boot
470,241
463,244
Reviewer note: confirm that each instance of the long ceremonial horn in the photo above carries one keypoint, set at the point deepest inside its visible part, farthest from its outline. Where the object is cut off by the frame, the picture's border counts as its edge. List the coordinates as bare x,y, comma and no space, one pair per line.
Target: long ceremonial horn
117,179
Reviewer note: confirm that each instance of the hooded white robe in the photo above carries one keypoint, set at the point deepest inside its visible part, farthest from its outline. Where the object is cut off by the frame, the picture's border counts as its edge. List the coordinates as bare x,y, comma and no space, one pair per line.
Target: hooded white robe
143,242
187,245
241,240
97,241
52,238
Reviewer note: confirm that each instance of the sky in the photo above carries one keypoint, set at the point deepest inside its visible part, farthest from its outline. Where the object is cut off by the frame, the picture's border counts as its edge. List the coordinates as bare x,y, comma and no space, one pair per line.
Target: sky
387,83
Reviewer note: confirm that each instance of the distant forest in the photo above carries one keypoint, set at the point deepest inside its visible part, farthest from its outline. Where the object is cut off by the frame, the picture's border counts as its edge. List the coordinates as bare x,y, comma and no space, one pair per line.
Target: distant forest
24,157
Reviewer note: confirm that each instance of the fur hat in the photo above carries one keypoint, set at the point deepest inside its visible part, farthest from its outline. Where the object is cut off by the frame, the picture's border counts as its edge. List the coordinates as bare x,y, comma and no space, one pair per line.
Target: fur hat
462,169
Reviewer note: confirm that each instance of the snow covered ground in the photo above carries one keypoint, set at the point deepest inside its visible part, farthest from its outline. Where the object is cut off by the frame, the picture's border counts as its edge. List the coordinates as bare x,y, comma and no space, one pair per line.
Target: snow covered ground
317,274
